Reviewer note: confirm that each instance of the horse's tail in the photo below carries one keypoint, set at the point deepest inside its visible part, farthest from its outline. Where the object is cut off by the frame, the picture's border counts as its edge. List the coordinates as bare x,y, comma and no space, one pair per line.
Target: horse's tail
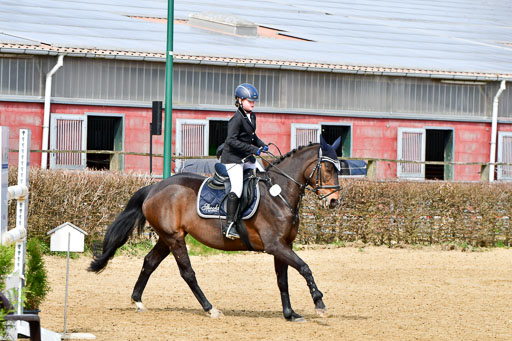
119,231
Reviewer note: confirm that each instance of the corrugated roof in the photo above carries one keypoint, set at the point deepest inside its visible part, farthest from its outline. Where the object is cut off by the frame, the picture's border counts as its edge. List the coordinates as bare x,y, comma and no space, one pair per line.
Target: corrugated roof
459,38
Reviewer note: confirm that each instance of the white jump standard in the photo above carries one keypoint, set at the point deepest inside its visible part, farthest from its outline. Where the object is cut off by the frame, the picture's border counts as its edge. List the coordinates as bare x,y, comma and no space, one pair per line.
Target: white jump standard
19,192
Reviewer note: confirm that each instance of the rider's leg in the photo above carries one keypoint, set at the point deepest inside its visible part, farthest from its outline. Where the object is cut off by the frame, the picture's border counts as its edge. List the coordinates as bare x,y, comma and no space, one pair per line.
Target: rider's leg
230,230
252,165
235,172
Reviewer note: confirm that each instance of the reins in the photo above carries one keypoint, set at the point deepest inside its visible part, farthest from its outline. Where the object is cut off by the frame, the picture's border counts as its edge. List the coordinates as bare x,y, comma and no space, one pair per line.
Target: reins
303,187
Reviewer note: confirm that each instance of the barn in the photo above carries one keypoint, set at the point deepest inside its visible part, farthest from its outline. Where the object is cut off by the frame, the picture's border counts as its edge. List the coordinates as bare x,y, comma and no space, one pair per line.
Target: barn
425,81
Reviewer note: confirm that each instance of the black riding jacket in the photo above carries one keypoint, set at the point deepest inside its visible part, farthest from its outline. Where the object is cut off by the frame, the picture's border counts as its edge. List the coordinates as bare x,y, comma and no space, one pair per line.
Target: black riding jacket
242,140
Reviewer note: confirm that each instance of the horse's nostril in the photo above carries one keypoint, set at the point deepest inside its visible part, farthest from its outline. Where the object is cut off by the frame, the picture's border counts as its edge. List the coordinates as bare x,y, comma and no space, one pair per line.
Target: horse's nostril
333,203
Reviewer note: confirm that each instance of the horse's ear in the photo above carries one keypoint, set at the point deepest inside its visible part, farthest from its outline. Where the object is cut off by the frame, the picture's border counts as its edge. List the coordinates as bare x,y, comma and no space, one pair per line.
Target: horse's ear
325,146
336,143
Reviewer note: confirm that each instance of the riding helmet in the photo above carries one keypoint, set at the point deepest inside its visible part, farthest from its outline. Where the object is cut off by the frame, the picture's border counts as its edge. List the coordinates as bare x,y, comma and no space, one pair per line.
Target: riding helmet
246,91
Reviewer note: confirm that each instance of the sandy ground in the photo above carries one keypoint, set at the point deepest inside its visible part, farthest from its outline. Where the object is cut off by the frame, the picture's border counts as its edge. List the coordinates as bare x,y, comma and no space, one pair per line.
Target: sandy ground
373,293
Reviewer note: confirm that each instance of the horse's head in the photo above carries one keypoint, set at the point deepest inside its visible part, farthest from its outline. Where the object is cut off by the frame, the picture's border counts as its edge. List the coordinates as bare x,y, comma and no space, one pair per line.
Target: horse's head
324,174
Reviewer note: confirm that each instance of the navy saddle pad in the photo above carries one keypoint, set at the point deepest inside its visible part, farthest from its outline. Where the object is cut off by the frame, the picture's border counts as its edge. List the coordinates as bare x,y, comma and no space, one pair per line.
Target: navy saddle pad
210,198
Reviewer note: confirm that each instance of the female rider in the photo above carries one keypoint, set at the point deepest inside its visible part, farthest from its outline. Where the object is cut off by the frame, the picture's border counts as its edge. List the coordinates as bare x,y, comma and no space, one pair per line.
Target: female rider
239,147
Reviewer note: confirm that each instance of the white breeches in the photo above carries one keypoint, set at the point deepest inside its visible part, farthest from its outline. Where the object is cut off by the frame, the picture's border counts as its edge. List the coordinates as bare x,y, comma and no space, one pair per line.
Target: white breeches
236,175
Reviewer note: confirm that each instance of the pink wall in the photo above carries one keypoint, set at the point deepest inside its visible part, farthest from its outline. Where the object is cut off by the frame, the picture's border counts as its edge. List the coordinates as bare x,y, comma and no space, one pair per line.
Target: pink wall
371,138
27,116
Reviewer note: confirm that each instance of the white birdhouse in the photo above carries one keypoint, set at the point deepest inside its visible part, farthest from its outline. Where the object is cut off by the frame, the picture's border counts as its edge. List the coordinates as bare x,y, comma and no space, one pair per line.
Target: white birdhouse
64,234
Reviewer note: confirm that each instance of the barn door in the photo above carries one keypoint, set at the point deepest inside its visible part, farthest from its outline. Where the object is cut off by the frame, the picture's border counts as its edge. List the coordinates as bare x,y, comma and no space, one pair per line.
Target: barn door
191,139
303,134
505,155
411,147
68,132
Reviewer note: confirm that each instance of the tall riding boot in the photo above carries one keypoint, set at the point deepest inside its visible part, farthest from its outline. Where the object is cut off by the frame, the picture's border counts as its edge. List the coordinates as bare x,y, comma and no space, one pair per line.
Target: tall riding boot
229,229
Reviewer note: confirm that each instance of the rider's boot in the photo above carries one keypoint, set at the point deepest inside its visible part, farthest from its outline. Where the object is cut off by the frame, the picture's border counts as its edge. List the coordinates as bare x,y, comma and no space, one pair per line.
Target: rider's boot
229,230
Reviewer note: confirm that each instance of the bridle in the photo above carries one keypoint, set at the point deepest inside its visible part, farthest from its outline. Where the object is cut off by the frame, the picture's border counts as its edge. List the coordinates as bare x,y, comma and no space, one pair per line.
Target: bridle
318,183
302,187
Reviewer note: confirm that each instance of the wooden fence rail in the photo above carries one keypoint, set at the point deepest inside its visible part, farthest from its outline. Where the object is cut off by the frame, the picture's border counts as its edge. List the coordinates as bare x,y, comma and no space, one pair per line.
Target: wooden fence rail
371,168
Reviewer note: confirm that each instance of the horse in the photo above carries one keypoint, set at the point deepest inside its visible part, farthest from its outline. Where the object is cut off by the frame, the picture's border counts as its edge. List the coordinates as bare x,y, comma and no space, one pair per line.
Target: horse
169,206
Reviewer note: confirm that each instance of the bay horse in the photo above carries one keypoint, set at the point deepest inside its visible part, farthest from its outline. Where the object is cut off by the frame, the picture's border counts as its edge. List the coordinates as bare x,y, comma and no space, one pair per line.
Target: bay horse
170,208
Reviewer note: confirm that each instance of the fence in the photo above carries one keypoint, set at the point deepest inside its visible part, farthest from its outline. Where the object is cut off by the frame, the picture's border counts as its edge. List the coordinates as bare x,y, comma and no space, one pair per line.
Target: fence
371,168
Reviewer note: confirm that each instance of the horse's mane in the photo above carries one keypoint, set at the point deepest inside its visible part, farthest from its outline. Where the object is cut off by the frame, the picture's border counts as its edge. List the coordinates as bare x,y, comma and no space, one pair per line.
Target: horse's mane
287,155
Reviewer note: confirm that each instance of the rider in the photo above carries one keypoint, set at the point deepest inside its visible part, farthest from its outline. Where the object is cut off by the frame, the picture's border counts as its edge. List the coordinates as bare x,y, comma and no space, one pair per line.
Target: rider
239,146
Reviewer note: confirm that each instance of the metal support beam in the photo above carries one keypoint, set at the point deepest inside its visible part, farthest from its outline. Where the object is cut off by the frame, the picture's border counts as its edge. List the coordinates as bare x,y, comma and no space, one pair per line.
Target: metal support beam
168,91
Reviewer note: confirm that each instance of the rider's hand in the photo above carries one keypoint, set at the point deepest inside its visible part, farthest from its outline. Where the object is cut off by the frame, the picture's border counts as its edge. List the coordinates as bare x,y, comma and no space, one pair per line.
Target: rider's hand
265,148
259,151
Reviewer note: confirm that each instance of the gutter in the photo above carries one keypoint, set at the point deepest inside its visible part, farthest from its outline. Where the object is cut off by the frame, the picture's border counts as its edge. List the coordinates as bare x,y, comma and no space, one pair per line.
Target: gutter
46,121
494,129
293,66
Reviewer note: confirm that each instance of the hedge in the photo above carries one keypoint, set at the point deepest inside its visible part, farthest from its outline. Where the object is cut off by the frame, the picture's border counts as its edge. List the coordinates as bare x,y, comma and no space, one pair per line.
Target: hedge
90,200
390,213
372,212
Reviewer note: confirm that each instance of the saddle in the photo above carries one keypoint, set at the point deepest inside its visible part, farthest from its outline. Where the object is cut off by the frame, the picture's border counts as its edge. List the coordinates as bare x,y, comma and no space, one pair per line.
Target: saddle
211,201
211,197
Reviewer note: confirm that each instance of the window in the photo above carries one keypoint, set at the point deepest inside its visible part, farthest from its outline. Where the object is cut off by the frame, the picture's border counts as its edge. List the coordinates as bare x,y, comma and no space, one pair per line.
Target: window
422,144
191,138
105,132
198,138
505,155
411,147
303,134
332,132
68,132
217,133
86,132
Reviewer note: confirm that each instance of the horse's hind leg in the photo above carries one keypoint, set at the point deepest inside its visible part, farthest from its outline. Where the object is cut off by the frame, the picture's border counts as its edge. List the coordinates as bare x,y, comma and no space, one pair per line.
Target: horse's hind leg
180,253
151,262
282,282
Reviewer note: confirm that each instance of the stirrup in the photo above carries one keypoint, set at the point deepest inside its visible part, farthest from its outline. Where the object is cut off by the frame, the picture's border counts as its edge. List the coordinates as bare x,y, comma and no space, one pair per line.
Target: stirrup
231,232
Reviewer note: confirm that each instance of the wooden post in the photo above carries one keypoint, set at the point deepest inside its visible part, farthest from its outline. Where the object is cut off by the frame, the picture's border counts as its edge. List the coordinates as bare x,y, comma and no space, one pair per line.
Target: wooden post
371,171
484,173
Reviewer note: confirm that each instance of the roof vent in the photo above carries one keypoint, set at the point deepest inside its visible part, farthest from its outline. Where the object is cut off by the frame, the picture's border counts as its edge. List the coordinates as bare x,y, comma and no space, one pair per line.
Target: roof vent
224,23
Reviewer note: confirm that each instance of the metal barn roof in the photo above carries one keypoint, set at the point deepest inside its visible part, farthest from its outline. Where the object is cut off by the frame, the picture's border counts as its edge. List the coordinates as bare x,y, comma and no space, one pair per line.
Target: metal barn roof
443,38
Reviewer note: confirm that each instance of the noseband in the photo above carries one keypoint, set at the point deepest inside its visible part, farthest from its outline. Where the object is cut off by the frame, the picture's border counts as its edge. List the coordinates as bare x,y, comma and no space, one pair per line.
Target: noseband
318,182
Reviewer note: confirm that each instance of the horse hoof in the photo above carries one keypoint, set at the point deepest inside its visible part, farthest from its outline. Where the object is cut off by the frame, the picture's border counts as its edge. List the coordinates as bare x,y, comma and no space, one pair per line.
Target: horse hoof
299,319
322,312
214,313
140,307
296,318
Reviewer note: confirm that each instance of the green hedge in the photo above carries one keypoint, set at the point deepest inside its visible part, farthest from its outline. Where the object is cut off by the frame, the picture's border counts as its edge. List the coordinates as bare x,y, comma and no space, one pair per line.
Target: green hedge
372,212
391,213
89,199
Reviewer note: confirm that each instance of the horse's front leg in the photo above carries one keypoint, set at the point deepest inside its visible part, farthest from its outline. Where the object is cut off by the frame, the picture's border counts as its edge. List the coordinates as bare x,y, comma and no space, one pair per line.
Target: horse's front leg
282,282
286,255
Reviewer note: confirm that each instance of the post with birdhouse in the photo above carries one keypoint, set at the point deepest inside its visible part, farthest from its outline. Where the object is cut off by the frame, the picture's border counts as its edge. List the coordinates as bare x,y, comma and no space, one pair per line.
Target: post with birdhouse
68,238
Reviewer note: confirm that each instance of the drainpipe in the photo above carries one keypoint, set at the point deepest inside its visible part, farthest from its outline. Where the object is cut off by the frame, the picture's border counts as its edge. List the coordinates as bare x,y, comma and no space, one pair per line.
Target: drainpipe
494,129
46,121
